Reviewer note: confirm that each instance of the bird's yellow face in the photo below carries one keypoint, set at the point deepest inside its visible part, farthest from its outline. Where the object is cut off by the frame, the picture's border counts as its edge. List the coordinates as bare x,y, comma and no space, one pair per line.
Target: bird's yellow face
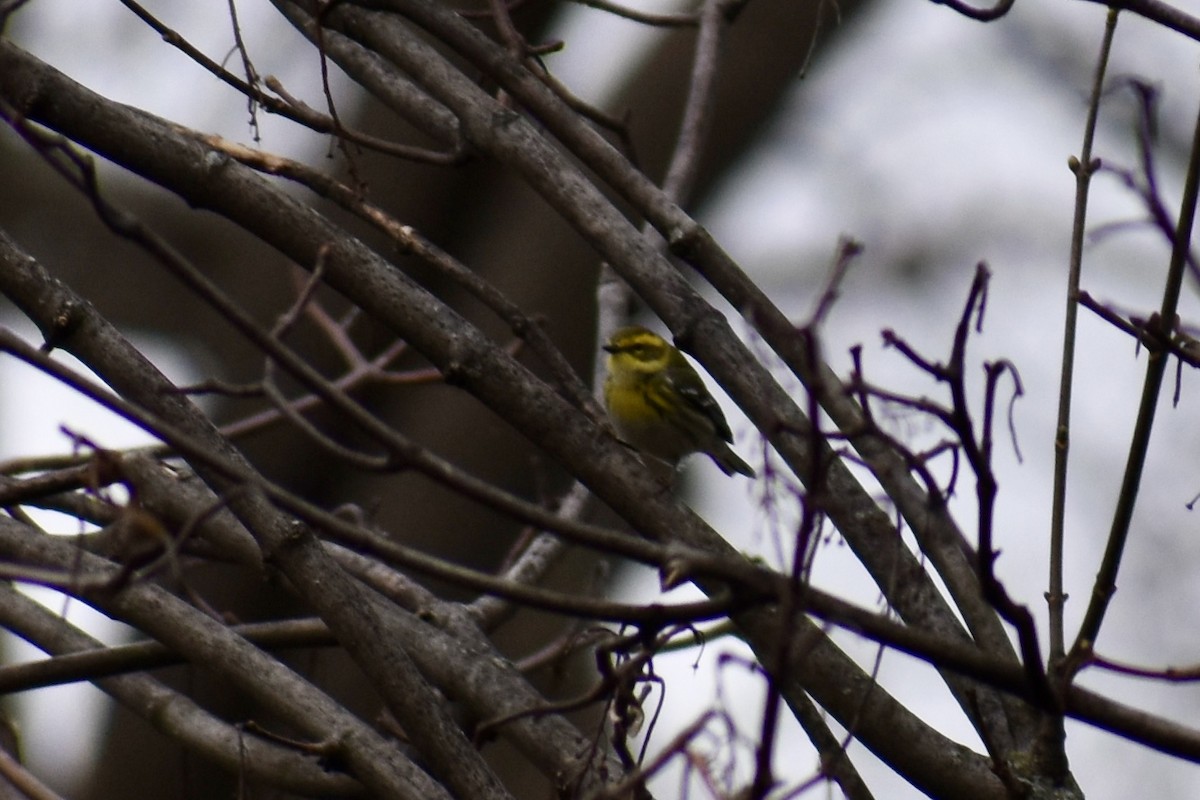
635,352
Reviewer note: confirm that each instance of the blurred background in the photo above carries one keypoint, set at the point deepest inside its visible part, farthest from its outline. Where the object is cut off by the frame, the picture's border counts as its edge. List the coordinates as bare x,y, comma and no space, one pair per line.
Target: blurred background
935,141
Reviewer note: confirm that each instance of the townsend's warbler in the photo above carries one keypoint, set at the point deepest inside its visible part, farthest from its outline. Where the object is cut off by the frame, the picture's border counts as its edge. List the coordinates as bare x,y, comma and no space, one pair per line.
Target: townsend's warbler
659,404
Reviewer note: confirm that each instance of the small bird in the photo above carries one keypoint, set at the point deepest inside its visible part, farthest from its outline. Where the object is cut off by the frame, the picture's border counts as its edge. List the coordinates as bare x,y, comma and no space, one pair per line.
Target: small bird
659,404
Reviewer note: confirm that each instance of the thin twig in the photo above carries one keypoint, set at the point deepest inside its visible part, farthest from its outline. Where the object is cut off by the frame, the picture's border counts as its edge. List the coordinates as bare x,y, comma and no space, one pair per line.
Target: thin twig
700,105
656,20
1083,167
1001,8
288,106
1105,583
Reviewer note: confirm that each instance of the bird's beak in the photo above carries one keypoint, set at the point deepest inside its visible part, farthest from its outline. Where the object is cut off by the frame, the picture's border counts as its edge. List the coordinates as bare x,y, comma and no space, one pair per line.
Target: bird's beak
608,348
